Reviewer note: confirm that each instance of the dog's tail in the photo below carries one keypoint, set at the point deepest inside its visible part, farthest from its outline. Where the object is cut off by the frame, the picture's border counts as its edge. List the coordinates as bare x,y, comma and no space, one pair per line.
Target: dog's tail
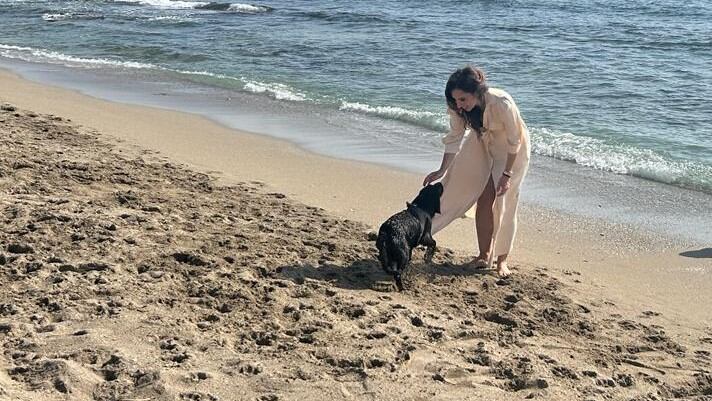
382,252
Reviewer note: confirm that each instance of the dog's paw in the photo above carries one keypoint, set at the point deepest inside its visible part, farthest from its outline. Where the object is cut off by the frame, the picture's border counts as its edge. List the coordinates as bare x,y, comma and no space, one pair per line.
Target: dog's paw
428,258
399,282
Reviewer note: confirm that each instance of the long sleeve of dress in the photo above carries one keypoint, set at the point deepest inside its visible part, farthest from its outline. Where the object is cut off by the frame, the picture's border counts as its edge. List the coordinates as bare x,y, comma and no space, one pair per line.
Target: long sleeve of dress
513,125
457,130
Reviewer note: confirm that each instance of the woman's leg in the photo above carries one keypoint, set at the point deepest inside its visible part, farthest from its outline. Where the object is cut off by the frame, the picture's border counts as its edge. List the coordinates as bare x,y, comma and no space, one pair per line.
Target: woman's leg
484,221
511,217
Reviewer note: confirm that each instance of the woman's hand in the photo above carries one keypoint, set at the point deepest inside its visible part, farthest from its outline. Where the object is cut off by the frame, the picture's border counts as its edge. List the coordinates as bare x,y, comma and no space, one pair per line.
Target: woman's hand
503,185
434,176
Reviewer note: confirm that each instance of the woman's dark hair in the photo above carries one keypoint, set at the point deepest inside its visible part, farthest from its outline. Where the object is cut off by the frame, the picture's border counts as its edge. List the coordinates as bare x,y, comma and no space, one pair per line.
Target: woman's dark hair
471,80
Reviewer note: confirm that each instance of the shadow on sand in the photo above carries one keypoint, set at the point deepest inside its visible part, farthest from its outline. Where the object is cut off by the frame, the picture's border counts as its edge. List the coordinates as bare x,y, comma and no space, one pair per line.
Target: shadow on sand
367,273
700,253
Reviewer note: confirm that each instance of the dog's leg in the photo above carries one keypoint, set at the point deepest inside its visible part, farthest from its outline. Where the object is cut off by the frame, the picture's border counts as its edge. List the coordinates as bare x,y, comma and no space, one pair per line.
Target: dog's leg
399,281
427,240
403,262
429,253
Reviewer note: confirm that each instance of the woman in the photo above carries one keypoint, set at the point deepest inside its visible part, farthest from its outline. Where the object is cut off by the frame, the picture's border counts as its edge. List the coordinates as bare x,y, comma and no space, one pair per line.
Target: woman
488,168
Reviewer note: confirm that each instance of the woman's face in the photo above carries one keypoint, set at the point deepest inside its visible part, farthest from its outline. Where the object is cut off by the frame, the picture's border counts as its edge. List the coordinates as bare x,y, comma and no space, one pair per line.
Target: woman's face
463,100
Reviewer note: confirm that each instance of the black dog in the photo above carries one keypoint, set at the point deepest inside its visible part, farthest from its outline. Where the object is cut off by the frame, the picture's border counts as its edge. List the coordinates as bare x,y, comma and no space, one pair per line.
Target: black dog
407,229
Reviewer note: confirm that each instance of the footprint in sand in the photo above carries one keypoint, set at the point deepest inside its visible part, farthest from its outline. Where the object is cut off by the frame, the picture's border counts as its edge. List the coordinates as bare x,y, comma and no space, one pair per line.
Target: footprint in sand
197,396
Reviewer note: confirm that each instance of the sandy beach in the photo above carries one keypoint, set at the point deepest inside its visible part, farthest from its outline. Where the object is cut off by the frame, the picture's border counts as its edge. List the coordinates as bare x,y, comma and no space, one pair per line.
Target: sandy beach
154,255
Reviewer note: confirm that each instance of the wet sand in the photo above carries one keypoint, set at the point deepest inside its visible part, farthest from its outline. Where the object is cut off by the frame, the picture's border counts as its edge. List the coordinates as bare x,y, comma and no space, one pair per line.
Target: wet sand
148,254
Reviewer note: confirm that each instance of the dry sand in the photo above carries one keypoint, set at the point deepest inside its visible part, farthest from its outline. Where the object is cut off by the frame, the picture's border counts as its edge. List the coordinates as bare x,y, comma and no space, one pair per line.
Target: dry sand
152,255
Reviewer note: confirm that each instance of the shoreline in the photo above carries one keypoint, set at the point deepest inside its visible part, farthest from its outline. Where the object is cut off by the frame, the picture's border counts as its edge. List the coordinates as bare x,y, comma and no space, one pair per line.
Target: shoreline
551,184
593,247
157,273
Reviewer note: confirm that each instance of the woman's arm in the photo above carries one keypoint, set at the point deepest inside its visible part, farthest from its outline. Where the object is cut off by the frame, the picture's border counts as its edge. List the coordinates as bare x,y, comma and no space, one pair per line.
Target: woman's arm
447,160
513,127
511,157
444,165
513,131
503,183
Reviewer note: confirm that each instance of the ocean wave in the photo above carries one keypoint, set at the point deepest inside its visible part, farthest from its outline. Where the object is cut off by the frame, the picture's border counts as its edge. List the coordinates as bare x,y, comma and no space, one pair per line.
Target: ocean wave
236,7
275,90
621,159
168,4
53,17
425,119
172,19
52,57
591,152
342,16
201,5
249,8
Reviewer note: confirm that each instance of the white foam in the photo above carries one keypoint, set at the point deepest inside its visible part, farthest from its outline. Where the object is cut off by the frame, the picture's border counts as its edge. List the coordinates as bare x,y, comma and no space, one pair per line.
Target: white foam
423,118
169,4
171,18
247,8
619,158
177,4
40,55
278,91
205,73
55,17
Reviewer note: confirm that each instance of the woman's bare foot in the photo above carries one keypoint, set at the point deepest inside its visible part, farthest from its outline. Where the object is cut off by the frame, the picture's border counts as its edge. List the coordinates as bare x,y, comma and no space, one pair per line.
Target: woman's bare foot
502,269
